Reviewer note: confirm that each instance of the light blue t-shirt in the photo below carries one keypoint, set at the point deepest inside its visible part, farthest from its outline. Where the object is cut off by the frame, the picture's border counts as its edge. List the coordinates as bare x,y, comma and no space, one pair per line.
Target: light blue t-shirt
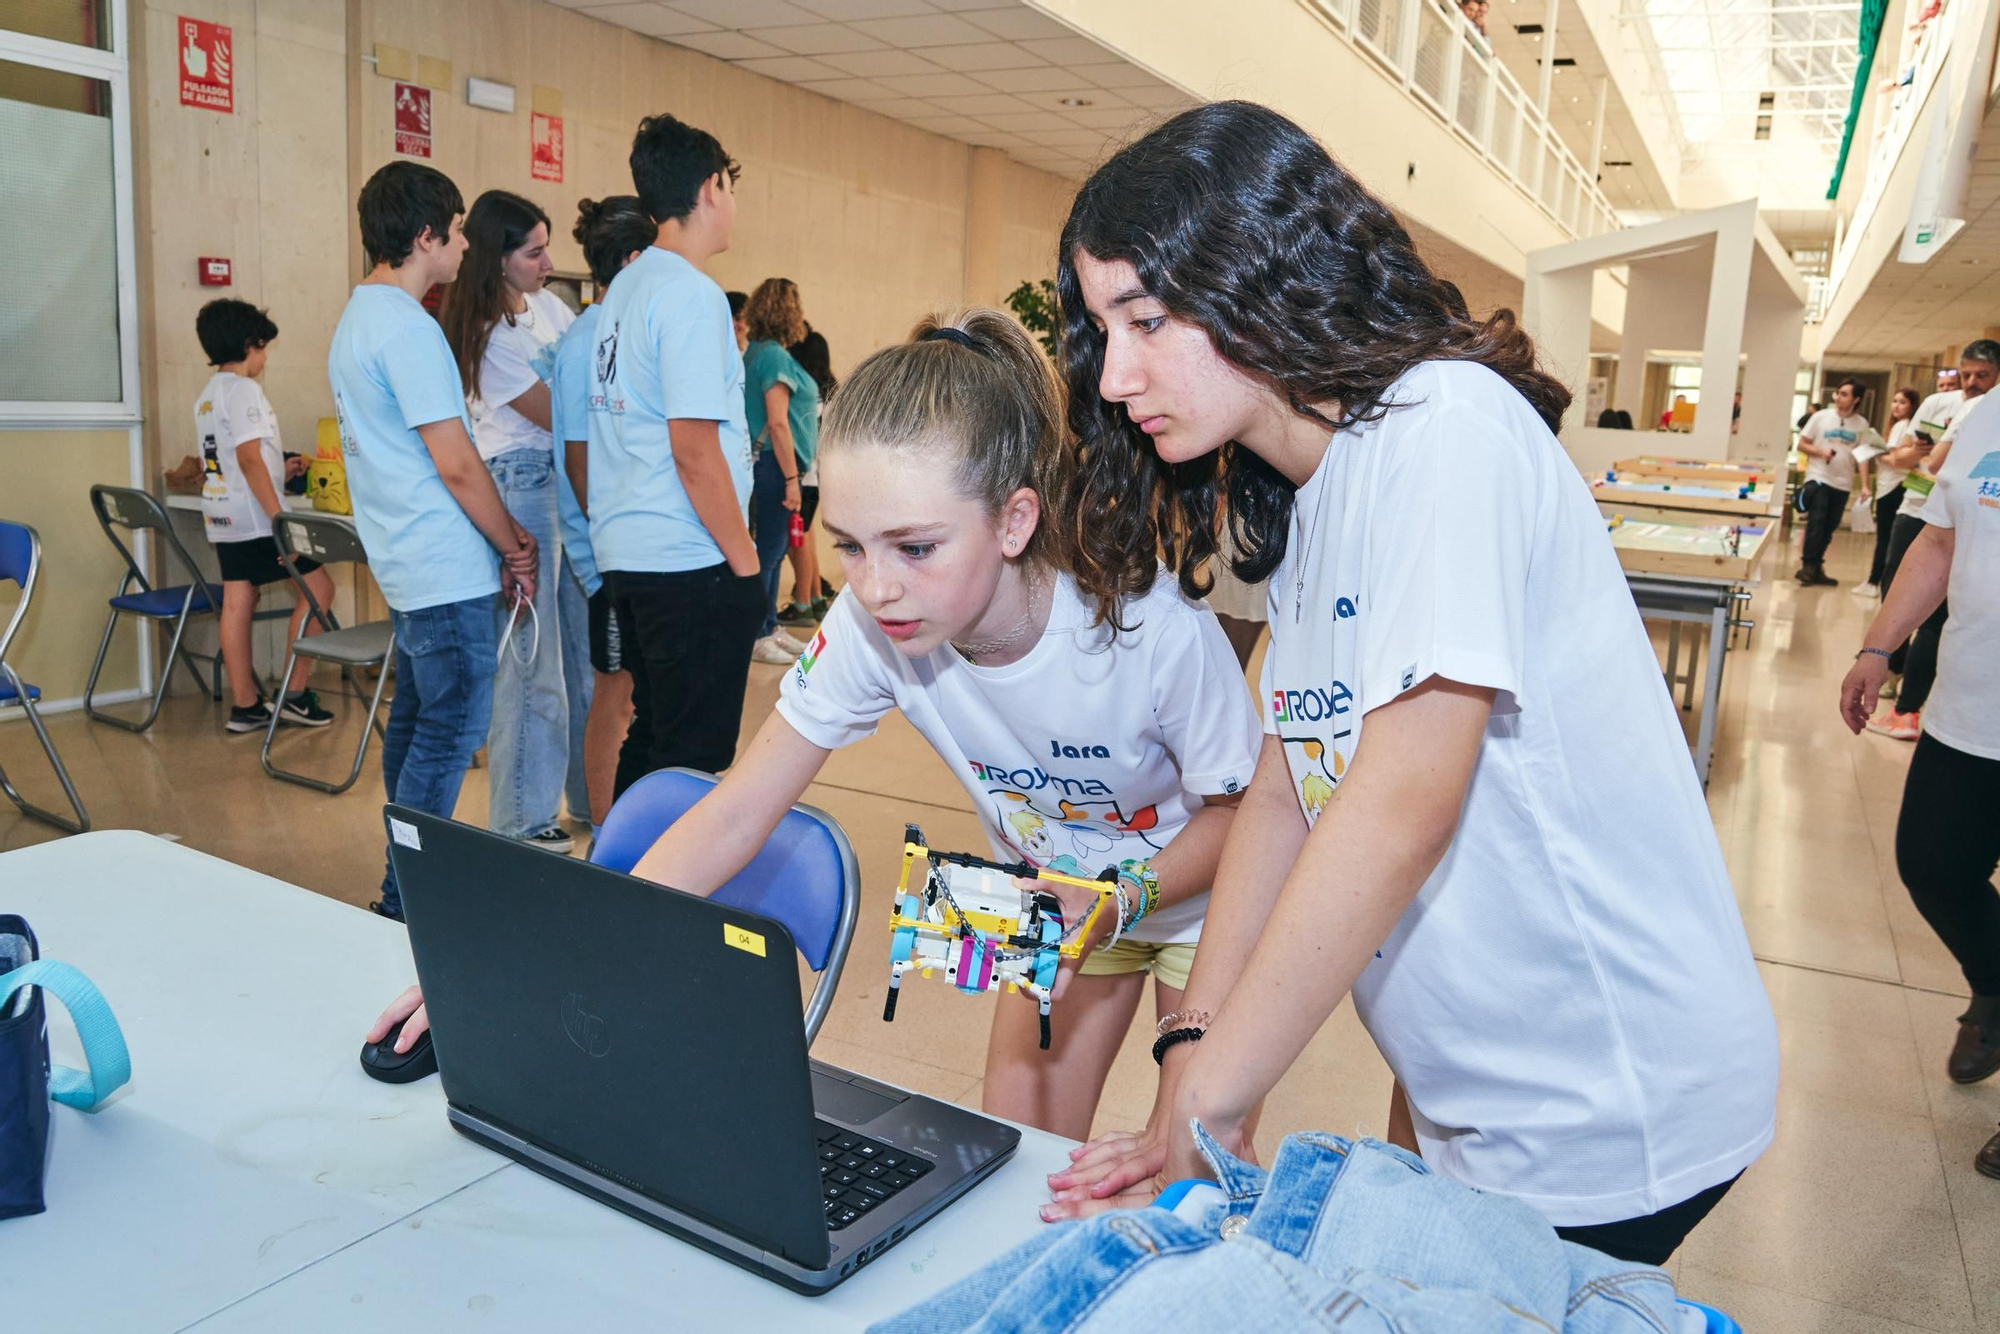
664,348
570,409
766,364
392,371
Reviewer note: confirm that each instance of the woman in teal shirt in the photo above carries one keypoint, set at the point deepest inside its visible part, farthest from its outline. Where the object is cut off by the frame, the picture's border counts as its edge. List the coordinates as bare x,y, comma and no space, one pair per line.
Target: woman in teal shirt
782,405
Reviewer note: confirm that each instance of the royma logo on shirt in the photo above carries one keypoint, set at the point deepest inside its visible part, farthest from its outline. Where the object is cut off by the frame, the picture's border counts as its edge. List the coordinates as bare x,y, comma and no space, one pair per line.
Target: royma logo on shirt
809,657
1034,779
1310,705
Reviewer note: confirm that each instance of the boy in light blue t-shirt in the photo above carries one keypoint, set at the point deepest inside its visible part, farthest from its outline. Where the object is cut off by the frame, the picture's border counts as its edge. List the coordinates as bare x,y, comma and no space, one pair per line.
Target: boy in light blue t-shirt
440,541
669,471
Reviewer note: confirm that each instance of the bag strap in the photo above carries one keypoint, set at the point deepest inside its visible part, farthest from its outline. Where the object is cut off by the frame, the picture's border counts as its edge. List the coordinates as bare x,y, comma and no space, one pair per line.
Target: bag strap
109,1063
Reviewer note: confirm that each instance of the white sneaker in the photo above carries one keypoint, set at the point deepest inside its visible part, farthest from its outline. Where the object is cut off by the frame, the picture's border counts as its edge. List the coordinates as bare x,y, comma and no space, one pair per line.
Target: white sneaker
1865,591
785,641
769,650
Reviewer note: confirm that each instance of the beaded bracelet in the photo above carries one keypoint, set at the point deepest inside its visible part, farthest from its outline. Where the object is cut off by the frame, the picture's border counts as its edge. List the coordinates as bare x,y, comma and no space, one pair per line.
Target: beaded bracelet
1184,1019
1167,1040
1118,922
1146,881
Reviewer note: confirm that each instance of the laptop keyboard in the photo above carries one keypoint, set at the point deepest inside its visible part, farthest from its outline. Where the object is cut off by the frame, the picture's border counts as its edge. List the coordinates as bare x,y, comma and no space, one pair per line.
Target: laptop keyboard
858,1174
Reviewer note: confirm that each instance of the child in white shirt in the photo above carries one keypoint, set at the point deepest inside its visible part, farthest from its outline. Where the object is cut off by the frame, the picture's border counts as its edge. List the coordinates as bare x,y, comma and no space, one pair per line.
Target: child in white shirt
243,465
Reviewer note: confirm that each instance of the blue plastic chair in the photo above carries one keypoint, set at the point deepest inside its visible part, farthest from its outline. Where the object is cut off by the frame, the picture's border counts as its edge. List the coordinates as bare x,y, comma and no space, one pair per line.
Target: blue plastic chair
805,876
136,511
21,562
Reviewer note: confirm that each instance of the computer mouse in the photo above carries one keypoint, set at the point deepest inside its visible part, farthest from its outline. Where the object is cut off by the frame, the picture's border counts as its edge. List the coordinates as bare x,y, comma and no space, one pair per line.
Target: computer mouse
382,1061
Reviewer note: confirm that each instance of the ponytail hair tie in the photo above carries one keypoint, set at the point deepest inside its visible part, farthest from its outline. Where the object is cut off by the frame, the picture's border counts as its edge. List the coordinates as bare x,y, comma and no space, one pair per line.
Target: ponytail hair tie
949,334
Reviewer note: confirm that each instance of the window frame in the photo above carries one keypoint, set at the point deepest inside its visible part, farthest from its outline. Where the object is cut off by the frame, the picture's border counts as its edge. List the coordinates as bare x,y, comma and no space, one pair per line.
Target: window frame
113,67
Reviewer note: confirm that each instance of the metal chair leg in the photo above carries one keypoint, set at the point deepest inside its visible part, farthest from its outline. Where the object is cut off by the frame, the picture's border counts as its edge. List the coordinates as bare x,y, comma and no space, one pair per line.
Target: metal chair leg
173,654
97,666
360,751
81,824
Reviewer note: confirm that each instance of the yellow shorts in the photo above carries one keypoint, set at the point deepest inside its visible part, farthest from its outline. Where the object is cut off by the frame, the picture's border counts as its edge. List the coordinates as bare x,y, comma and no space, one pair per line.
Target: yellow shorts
1169,964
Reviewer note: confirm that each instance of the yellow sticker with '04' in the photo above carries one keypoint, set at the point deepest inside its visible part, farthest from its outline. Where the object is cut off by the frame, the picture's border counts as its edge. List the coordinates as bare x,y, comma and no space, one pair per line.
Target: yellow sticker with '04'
739,938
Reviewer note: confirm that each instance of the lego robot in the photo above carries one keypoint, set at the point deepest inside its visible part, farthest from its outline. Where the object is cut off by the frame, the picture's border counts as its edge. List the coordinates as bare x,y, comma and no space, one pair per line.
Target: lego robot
971,919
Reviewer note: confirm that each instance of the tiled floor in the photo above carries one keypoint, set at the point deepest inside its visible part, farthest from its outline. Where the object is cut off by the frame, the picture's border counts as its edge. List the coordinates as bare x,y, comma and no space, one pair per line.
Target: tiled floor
1865,1217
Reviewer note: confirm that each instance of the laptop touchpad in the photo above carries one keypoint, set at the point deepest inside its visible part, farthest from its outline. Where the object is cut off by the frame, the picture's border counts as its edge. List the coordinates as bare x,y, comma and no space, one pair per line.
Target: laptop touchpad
842,1101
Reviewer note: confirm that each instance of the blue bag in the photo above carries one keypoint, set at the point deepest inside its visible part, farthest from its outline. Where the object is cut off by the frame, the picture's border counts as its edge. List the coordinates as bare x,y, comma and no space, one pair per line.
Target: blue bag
27,1081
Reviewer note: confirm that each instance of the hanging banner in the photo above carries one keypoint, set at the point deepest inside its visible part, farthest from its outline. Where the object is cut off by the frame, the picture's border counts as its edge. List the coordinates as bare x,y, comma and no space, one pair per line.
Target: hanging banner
545,148
1942,204
207,66
413,120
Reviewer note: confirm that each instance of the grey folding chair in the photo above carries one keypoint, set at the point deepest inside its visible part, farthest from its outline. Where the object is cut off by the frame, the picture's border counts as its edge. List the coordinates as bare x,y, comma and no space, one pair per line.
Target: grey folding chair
136,511
21,562
329,540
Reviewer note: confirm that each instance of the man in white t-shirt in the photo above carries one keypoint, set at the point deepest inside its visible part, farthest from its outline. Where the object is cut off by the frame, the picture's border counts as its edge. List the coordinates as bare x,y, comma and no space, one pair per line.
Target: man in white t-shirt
242,467
1926,450
1828,439
1947,839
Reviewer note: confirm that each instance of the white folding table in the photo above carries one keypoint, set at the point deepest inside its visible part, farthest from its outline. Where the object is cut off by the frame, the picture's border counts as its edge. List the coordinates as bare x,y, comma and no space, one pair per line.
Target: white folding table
251,1177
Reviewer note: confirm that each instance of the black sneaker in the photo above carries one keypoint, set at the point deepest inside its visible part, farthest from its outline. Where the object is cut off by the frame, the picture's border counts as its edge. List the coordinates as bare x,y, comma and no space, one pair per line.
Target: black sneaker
394,912
794,614
303,710
553,839
253,719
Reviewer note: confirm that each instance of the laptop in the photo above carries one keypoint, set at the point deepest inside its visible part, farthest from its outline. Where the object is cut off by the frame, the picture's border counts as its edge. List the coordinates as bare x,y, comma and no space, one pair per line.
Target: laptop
647,1048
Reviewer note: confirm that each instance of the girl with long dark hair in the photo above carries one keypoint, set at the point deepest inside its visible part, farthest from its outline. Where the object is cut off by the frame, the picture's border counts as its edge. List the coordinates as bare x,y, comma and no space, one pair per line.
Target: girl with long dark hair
503,326
1888,488
1474,810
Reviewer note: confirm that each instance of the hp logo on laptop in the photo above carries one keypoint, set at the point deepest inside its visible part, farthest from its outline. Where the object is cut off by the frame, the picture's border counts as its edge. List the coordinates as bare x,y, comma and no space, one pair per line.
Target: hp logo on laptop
584,1029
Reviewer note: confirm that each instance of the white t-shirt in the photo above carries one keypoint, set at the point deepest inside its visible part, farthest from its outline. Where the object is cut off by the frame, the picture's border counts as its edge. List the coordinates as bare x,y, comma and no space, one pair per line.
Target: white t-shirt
231,411
519,355
1570,1002
1887,479
1089,750
1964,707
1828,427
1939,410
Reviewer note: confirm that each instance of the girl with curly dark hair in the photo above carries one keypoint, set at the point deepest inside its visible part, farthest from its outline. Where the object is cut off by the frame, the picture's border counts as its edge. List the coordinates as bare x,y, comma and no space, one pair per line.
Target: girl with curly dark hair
1474,809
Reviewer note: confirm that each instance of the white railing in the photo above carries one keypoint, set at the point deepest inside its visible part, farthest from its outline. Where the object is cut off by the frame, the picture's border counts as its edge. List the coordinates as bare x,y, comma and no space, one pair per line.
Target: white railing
1887,147
1447,69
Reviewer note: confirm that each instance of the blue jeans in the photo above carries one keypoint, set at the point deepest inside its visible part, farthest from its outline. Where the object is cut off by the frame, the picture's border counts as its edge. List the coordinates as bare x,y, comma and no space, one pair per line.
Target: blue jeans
771,526
529,745
573,605
444,699
1359,1235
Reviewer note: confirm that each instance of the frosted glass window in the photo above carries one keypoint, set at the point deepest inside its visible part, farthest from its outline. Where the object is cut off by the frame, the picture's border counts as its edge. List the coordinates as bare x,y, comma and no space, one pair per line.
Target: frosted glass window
59,318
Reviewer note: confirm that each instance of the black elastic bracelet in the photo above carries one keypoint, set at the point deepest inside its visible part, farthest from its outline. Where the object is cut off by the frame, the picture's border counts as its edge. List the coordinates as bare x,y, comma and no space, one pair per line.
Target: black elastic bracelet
1169,1039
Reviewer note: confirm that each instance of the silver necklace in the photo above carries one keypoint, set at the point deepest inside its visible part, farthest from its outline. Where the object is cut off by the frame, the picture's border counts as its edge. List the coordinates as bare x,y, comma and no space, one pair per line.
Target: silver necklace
1305,552
973,652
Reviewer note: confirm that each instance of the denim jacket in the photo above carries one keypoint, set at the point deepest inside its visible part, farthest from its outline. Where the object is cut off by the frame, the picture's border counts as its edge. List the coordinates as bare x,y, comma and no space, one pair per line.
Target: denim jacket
1355,1236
